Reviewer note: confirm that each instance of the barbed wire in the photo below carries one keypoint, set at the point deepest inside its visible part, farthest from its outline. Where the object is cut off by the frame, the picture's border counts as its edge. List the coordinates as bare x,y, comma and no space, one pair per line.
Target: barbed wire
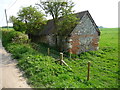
101,68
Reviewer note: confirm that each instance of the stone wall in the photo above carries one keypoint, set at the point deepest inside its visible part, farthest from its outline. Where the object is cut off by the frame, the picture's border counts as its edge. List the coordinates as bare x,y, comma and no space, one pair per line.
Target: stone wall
84,37
51,40
44,39
48,39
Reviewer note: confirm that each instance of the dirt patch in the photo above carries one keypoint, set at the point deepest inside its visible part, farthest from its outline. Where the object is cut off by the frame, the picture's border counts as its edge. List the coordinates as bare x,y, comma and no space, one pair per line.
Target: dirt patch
10,75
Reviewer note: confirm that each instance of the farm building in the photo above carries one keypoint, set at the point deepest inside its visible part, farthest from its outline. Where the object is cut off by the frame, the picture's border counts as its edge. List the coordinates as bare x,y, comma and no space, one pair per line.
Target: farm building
83,37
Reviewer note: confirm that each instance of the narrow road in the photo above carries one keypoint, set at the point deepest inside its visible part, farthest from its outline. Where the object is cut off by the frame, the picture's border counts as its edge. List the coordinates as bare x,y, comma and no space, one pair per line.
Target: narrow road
10,76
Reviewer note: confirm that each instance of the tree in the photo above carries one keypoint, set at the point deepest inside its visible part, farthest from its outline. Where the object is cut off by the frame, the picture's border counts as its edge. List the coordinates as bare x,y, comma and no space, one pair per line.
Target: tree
31,19
17,24
65,25
59,9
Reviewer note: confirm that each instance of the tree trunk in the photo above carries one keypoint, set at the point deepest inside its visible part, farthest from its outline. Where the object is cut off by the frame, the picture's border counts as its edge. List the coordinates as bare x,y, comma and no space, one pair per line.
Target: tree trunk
61,43
56,41
56,33
29,36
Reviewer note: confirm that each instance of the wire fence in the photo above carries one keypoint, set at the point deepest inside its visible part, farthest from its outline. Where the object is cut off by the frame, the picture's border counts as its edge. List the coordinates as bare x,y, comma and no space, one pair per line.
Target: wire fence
89,67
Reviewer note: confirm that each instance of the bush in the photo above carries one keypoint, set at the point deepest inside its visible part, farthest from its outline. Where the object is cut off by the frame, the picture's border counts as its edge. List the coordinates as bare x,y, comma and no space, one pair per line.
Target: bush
10,35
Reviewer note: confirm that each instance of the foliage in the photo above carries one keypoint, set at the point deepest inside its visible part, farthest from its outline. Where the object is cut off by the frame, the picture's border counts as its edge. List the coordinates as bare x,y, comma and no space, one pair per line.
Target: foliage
59,9
10,35
67,20
20,51
29,19
42,70
65,25
18,25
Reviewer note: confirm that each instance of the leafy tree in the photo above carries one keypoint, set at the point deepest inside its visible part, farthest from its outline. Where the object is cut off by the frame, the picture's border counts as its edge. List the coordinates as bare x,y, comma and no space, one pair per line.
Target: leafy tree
65,25
31,19
56,9
59,9
17,24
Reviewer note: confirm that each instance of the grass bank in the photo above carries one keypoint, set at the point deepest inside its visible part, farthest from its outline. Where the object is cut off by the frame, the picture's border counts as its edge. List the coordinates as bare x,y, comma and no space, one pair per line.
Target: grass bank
42,71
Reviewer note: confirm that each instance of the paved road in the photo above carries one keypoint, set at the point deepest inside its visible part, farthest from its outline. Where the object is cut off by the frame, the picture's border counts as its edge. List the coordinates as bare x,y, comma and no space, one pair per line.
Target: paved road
10,76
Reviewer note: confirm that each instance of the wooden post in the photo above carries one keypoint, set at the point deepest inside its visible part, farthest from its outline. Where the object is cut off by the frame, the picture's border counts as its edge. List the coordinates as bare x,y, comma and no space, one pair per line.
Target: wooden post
70,54
88,76
48,51
61,58
6,18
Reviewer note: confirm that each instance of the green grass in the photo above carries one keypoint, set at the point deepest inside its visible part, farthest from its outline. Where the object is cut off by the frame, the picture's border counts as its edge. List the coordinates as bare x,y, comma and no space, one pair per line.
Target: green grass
109,37
41,70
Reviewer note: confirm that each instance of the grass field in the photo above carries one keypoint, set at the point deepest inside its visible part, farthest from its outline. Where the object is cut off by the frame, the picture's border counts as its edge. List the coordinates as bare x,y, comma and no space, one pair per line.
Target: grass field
41,70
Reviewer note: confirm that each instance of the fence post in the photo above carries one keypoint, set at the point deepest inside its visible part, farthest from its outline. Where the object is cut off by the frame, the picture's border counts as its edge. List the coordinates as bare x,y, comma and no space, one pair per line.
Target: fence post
70,54
88,75
48,51
61,58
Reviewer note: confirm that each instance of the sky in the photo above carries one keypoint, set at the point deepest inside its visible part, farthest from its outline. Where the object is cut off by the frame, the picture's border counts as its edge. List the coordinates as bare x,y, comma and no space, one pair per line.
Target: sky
104,12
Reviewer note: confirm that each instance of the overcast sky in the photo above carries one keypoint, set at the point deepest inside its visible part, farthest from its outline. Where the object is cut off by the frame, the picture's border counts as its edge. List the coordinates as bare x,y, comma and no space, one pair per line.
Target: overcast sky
104,12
